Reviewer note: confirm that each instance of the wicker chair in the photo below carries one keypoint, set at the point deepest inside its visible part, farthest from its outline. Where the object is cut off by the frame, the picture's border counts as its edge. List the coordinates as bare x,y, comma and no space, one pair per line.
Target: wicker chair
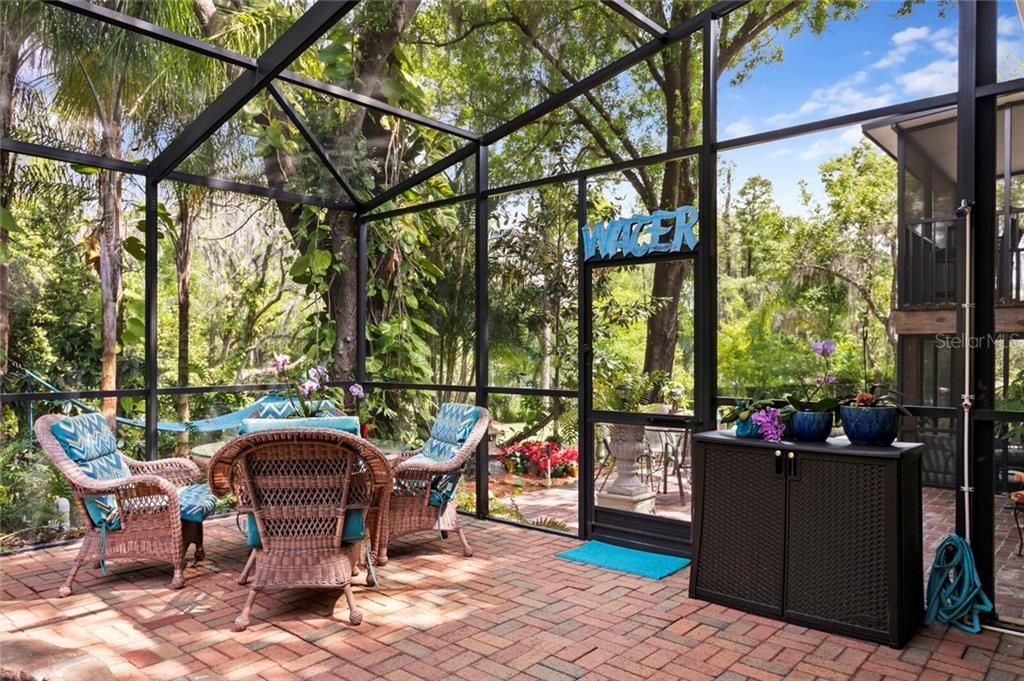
136,509
426,478
315,495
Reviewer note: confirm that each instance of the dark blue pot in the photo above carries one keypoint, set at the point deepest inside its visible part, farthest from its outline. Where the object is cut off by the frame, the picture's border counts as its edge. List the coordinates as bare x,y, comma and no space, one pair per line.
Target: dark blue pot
870,426
811,426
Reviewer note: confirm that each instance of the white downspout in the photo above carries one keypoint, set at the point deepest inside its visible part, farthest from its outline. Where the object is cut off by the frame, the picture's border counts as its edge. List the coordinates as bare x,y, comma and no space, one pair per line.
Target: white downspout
966,398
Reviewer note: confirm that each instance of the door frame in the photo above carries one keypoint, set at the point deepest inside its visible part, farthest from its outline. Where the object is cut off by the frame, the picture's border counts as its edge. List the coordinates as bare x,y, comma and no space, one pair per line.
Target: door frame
624,528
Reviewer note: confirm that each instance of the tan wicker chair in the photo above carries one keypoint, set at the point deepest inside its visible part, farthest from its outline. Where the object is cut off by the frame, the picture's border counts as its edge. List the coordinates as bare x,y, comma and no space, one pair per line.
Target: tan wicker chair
299,485
150,523
411,508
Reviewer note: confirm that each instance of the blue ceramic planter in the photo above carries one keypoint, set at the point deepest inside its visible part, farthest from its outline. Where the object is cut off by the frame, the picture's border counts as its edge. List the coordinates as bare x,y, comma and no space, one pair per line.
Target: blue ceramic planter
870,426
811,426
747,428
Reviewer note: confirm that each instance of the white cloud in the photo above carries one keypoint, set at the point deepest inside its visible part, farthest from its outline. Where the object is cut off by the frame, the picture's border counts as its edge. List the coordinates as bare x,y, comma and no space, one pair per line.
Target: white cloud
934,79
910,35
832,145
945,41
782,151
1009,25
895,56
842,97
740,128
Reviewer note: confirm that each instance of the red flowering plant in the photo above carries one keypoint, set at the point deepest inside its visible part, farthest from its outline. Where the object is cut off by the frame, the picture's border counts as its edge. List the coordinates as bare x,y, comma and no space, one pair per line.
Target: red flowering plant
522,457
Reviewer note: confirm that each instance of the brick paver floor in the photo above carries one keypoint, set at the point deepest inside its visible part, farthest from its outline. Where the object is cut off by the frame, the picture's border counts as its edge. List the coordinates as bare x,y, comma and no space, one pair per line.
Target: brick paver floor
512,611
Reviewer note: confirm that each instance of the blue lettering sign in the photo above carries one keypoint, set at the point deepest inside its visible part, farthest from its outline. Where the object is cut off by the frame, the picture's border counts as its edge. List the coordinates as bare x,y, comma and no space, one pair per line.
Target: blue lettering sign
662,232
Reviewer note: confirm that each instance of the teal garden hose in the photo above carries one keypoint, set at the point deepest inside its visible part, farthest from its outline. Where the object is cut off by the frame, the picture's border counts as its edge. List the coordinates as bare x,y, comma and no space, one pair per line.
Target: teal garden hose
954,587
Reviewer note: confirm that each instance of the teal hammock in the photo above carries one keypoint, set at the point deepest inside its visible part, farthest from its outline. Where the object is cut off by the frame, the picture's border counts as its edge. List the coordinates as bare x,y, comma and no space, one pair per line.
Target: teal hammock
269,406
954,587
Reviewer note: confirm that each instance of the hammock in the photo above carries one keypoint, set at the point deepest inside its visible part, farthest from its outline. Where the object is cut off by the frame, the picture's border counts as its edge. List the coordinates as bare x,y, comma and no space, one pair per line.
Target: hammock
269,406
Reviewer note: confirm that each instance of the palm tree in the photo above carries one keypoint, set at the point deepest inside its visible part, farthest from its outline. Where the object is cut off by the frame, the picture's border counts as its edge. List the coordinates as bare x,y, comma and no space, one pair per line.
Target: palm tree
123,89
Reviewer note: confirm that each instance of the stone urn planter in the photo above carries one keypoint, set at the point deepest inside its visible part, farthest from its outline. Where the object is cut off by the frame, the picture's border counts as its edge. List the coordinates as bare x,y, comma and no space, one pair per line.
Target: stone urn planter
626,491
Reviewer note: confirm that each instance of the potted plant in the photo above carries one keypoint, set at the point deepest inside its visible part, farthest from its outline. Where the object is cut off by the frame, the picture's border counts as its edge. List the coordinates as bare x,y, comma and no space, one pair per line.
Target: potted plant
307,391
871,418
359,397
742,415
811,418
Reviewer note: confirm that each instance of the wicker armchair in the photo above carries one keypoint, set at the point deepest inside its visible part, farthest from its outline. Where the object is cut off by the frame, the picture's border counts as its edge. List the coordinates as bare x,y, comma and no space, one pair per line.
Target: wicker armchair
135,509
426,478
316,496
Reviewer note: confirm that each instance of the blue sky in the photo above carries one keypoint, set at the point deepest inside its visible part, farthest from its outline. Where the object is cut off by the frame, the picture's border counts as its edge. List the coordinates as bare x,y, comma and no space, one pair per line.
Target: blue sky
873,60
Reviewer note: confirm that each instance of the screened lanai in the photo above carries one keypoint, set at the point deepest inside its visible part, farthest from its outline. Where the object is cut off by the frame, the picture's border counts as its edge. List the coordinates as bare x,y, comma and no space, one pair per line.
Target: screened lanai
410,195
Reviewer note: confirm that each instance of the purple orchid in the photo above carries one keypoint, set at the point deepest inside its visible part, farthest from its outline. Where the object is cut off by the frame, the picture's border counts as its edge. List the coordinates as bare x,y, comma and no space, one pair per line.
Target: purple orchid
280,362
307,388
770,424
824,348
317,373
356,391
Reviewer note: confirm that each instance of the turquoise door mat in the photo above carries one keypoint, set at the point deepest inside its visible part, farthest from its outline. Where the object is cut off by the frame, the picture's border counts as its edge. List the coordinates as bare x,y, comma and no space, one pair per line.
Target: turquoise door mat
643,563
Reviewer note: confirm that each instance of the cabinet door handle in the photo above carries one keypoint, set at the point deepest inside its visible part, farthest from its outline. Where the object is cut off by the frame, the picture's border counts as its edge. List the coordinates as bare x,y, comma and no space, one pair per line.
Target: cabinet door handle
791,456
778,462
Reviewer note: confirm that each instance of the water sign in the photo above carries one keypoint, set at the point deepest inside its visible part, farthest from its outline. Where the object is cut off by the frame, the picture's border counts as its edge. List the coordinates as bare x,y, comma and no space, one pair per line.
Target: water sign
661,232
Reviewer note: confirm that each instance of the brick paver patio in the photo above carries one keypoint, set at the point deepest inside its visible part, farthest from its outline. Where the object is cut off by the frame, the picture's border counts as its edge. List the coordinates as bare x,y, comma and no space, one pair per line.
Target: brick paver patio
512,611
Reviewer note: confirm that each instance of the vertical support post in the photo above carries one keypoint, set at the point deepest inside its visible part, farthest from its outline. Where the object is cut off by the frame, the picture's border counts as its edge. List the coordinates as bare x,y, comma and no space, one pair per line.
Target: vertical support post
151,281
362,233
976,184
1006,288
706,281
584,358
903,274
483,374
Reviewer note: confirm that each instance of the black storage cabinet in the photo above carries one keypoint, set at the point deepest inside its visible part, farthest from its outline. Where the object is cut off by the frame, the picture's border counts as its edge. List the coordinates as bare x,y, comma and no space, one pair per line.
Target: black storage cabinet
826,535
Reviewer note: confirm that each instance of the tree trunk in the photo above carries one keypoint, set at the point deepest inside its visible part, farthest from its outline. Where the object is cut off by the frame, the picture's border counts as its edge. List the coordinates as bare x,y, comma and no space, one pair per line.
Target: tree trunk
343,295
110,191
183,266
13,35
677,188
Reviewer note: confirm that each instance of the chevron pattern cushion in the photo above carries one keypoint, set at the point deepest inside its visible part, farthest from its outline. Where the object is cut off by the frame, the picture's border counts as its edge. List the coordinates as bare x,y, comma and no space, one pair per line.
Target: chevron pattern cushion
284,407
453,422
195,502
348,424
88,442
449,432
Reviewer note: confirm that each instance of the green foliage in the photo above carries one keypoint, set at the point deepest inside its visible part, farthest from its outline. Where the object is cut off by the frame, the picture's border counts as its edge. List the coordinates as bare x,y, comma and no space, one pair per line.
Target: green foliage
28,486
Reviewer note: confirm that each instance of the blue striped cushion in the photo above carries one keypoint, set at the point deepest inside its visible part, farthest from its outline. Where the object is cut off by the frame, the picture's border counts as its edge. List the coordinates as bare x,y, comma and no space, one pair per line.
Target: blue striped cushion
89,443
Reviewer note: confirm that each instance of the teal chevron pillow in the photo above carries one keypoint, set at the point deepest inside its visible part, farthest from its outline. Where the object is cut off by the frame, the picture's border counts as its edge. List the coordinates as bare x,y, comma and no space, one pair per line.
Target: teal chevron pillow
450,430
352,531
454,422
89,443
348,424
196,503
283,407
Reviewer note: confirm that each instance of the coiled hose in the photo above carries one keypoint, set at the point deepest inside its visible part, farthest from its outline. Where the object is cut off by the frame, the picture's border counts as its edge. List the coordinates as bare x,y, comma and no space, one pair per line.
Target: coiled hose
954,587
